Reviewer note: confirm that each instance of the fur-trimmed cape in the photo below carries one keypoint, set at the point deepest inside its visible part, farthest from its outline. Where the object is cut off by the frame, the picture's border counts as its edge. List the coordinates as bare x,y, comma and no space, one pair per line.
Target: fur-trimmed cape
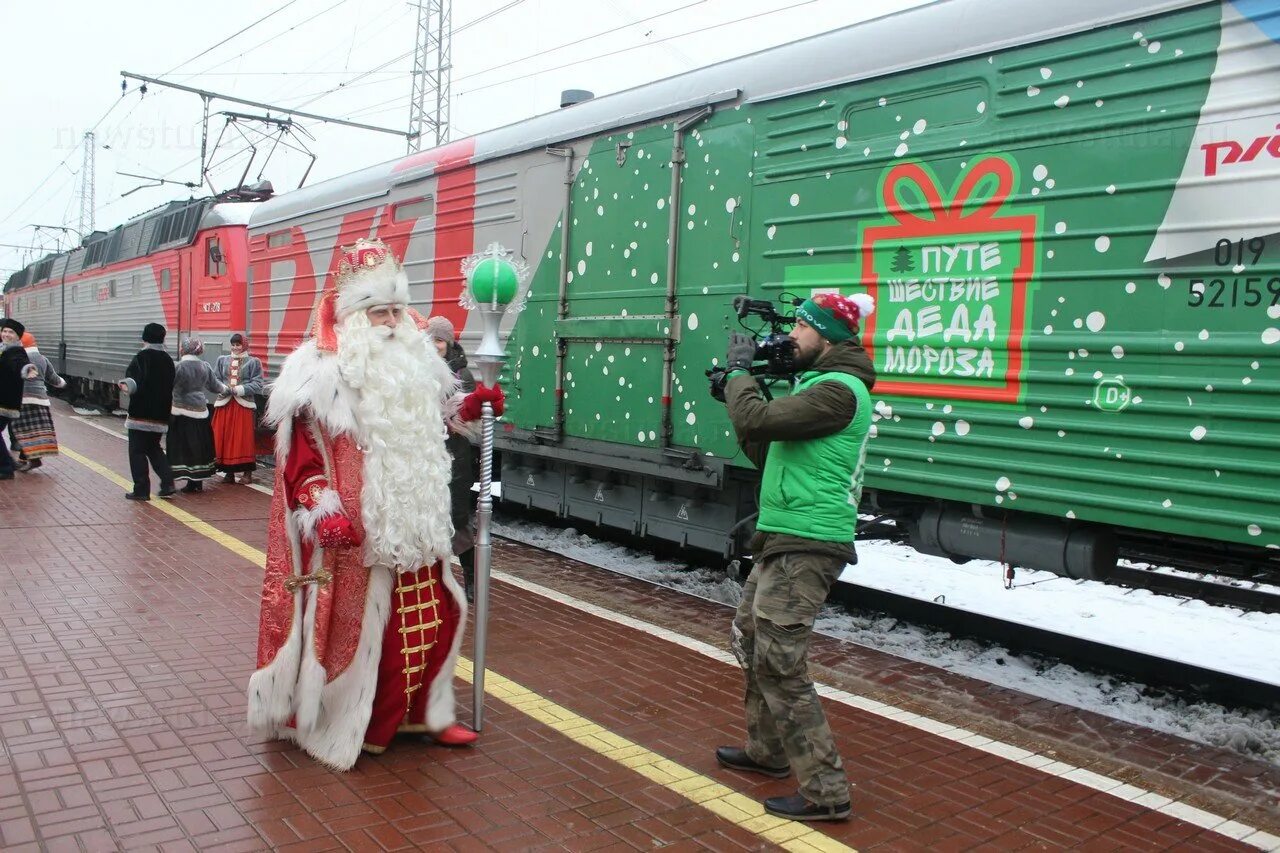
318,650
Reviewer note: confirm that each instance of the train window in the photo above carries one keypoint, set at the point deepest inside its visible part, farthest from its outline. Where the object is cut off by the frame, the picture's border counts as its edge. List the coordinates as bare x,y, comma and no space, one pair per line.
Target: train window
165,283
111,288
418,208
169,227
279,239
94,254
216,261
133,285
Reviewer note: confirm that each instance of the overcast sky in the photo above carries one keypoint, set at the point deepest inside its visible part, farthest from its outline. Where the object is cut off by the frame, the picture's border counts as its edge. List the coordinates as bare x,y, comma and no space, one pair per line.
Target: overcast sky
62,77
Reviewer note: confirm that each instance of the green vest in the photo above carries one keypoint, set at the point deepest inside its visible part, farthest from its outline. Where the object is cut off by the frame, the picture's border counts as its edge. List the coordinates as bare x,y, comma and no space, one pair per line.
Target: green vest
811,488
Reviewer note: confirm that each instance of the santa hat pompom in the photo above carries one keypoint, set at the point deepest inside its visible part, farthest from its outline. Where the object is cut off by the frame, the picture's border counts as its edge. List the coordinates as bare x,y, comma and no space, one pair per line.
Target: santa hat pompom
865,304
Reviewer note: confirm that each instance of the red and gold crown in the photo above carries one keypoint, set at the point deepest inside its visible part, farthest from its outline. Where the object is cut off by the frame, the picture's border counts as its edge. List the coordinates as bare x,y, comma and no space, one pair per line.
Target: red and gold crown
364,254
368,276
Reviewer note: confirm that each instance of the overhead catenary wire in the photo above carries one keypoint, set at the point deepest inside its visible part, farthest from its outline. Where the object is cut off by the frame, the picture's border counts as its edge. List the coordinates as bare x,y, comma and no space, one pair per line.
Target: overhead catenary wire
116,103
366,111
398,12
480,20
264,42
622,50
578,41
347,83
234,35
400,100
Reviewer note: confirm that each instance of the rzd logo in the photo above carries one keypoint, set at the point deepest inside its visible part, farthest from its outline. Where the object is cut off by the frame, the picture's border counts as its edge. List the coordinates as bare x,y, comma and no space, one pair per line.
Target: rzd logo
1225,153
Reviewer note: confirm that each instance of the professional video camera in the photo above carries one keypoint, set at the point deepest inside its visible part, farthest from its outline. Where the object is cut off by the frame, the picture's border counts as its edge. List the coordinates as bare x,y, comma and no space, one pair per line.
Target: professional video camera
775,347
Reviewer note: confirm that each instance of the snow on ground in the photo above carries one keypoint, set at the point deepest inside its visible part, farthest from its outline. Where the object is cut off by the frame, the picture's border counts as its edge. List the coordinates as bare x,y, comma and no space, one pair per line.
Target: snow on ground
1133,619
1223,639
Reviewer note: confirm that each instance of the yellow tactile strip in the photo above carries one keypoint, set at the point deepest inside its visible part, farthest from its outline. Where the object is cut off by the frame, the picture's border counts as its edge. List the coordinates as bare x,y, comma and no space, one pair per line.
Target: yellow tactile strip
719,799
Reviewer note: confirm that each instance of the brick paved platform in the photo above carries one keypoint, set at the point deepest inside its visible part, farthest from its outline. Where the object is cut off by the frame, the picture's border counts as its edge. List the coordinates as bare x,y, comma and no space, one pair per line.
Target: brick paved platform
127,638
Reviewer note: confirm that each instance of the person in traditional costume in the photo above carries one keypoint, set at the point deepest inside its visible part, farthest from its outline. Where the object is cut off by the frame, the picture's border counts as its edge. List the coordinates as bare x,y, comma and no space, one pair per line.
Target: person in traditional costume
149,383
190,443
361,619
15,369
234,411
34,427
463,454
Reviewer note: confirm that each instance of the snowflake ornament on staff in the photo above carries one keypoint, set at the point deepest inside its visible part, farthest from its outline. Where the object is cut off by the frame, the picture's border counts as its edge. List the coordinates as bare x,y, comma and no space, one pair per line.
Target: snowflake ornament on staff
494,278
495,281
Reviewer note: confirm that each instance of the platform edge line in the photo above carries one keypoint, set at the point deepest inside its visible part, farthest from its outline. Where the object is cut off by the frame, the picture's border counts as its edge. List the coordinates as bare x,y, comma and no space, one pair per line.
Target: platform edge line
1177,809
727,804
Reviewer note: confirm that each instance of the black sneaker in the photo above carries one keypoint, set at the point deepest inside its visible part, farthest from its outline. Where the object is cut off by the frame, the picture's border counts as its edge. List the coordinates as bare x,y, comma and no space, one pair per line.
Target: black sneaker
134,496
737,759
796,807
193,486
167,491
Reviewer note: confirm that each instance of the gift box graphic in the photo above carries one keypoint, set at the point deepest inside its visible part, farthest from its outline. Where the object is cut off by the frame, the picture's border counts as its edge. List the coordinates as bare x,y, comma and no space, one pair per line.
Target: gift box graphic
950,277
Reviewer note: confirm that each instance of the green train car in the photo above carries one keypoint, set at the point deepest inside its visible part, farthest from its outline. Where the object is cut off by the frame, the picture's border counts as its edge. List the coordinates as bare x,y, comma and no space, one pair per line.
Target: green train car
1068,219
1066,214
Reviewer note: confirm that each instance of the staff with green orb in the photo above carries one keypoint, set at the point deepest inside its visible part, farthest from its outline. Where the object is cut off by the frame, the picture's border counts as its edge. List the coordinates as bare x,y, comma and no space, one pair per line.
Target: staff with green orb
493,281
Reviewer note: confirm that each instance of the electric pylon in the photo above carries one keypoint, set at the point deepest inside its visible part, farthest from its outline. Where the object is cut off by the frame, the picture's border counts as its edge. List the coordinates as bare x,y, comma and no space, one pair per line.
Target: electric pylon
87,186
432,72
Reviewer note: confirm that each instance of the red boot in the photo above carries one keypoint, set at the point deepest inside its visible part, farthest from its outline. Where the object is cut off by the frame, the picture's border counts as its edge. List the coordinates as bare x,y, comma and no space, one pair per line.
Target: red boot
456,735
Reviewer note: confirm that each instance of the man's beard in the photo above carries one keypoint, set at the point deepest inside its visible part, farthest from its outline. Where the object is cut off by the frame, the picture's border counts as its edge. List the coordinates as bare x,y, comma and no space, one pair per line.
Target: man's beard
804,360
405,501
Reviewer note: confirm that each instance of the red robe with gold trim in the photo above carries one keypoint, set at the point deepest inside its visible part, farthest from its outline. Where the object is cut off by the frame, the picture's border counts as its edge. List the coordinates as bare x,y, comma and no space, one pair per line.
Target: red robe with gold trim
348,655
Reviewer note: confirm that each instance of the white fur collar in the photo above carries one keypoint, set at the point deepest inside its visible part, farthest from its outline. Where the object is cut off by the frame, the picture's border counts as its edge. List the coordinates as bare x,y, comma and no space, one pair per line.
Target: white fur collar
309,379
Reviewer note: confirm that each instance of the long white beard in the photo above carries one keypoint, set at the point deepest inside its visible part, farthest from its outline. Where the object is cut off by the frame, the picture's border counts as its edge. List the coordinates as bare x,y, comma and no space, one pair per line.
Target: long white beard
402,383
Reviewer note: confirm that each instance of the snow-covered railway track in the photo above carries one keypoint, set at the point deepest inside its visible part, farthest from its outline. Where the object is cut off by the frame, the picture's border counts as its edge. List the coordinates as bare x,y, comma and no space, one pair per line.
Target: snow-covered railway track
1184,667
1225,591
1192,681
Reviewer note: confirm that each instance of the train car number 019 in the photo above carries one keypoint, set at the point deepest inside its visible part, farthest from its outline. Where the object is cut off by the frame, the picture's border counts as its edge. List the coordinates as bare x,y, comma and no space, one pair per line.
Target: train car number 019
1221,293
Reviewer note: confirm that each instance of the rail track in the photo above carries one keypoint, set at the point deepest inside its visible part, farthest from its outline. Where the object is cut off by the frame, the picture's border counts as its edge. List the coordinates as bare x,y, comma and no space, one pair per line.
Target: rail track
1207,572
1195,683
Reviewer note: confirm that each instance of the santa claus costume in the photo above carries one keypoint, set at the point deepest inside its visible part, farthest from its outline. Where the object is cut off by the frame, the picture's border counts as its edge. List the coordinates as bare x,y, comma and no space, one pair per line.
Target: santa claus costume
361,617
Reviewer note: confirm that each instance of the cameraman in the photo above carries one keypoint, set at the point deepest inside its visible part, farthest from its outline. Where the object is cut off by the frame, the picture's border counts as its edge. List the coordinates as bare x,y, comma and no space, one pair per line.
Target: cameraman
810,447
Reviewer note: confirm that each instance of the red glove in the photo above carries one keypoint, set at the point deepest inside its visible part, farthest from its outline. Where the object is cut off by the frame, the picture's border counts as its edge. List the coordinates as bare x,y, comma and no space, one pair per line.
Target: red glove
472,404
336,531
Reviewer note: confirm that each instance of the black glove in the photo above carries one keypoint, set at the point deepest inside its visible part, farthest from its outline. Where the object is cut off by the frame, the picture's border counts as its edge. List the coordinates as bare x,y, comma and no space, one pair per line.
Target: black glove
742,351
718,376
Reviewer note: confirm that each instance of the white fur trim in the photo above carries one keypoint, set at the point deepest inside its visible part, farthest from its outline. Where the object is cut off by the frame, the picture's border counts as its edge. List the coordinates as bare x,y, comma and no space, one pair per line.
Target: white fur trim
244,402
310,379
305,520
468,429
344,706
385,284
311,673
272,689
440,695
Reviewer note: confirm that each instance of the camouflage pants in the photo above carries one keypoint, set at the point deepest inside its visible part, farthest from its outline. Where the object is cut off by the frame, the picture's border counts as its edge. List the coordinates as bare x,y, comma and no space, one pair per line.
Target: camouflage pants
770,636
